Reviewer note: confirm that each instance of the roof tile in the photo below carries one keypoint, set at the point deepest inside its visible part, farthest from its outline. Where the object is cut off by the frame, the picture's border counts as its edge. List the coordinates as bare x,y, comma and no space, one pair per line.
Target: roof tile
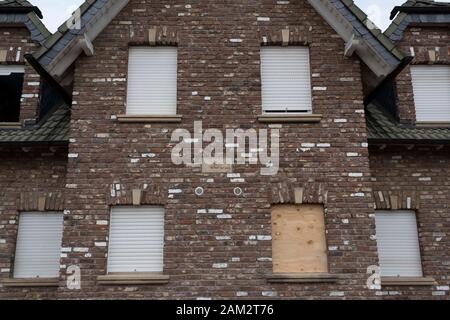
54,130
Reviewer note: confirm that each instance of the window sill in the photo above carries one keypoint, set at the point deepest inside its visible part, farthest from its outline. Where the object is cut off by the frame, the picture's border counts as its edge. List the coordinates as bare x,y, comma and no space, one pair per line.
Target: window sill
407,281
10,125
150,118
302,278
290,118
133,279
34,282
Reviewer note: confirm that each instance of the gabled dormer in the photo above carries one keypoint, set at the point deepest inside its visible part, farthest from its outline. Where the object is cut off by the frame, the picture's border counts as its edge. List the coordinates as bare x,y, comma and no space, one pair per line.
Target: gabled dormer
414,107
422,29
21,33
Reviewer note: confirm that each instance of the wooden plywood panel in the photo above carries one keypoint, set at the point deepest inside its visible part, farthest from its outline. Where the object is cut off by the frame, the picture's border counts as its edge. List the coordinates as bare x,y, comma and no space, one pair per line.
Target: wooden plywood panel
3,55
299,243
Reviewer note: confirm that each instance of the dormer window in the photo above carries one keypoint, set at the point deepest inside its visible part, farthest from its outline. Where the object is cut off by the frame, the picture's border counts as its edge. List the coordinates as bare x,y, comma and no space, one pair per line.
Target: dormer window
11,84
431,84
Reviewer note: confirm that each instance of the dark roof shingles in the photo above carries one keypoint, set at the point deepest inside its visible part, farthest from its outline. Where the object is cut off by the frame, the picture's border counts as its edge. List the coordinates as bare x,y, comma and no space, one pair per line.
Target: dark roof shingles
382,126
58,41
20,4
416,11
53,130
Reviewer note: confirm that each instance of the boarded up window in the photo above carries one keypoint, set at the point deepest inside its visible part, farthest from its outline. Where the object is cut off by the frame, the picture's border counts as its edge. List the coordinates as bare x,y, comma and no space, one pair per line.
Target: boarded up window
299,244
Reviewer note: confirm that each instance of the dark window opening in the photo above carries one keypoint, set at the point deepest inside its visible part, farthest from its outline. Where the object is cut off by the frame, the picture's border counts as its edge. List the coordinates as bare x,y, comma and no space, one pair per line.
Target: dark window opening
10,95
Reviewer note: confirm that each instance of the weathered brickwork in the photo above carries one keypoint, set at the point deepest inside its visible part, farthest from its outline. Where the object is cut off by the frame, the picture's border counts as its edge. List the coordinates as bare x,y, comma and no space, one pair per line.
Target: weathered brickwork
218,57
428,45
219,245
422,174
16,42
26,174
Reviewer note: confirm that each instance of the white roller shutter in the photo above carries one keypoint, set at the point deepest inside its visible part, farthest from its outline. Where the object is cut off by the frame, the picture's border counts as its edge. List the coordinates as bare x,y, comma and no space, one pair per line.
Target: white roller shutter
38,247
152,81
6,70
136,240
286,79
398,244
431,93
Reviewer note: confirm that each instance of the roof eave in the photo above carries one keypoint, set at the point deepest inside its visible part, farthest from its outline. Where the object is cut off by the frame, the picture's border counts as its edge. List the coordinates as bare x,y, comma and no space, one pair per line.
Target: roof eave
36,10
378,64
408,9
385,141
84,39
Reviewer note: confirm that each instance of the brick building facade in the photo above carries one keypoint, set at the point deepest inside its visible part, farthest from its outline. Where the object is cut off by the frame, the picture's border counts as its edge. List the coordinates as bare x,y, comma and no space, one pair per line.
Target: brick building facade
350,157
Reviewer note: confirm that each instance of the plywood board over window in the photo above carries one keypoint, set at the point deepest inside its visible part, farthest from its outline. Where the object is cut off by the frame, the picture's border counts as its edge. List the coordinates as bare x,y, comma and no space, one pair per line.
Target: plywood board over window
299,243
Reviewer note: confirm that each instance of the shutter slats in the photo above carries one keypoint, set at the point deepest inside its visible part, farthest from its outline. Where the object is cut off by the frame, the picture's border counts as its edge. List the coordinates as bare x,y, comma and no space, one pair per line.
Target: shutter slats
152,81
431,86
136,240
286,79
398,244
38,246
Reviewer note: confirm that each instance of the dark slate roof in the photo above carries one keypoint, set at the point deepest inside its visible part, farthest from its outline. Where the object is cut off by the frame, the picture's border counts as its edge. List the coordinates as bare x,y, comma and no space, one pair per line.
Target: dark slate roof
54,130
22,12
63,36
368,30
421,6
383,128
19,6
90,8
415,11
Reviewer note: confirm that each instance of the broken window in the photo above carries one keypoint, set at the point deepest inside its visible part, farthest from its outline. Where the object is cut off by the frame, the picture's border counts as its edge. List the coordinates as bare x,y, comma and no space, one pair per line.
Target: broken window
299,243
11,83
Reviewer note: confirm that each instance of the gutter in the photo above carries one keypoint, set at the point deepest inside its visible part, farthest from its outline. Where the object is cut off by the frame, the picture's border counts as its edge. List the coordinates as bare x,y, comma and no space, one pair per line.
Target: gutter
34,143
378,141
419,10
22,10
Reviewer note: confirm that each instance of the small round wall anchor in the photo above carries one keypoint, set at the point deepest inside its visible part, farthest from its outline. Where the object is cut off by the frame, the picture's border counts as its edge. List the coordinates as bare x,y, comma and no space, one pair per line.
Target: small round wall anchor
199,191
238,191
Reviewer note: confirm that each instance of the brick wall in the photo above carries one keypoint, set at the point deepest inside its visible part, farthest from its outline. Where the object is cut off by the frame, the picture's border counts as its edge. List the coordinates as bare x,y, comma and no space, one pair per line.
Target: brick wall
328,159
429,45
423,174
16,42
25,175
218,245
